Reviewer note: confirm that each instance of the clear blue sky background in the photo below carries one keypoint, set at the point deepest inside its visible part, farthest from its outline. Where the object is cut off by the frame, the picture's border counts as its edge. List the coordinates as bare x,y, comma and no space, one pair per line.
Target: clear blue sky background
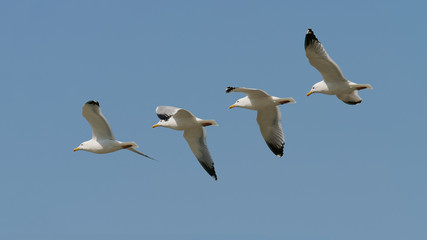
349,172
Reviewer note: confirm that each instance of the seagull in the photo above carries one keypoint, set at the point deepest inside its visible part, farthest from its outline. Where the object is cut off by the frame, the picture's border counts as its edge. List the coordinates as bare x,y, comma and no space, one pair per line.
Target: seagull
334,82
103,140
268,115
194,133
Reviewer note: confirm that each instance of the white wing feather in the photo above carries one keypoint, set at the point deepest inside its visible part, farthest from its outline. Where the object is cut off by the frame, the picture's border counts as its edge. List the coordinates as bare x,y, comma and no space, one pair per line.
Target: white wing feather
269,121
196,139
100,127
352,98
319,58
251,92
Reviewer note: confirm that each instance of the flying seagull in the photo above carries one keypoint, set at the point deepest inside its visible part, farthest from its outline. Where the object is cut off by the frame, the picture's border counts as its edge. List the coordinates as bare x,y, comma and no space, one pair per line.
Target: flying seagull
268,115
334,82
103,140
194,133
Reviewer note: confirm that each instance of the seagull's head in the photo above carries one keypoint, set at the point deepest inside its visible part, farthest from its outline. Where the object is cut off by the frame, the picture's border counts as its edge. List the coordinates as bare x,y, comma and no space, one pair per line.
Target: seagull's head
163,123
159,124
82,146
243,103
319,87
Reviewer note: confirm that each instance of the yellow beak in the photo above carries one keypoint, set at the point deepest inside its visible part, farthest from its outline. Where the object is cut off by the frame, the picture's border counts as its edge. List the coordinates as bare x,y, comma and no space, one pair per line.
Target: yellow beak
232,106
155,125
309,93
76,149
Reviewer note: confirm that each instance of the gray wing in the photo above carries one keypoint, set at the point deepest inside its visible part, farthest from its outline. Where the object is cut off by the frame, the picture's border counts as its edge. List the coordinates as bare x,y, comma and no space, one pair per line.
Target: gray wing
196,139
269,121
166,112
319,58
100,127
251,92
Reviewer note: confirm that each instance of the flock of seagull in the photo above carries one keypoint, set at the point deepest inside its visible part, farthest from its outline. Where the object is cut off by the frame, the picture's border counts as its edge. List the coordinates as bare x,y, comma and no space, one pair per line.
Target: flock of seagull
268,112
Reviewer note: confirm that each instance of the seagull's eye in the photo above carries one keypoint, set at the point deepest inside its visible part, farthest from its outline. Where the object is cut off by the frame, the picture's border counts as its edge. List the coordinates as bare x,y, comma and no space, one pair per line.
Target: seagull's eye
81,144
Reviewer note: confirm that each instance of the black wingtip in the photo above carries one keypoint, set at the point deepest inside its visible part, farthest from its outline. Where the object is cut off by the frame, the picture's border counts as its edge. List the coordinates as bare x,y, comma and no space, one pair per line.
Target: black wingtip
164,116
93,102
210,170
212,173
353,103
276,149
310,38
229,89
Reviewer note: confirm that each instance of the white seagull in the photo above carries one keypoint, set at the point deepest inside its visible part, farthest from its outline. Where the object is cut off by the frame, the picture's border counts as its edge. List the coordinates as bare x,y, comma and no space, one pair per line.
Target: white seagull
268,115
103,140
334,82
194,133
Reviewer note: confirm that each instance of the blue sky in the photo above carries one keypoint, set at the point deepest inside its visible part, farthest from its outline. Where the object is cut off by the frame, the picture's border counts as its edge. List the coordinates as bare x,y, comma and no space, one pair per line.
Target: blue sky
348,172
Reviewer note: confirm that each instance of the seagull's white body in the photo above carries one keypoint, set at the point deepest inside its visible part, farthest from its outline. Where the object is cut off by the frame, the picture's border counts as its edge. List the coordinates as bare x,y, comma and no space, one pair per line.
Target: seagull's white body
334,82
268,115
194,133
101,146
103,140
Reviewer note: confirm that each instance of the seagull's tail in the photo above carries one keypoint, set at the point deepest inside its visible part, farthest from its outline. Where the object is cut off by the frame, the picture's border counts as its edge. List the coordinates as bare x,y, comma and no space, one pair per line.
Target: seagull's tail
285,100
362,86
126,145
206,123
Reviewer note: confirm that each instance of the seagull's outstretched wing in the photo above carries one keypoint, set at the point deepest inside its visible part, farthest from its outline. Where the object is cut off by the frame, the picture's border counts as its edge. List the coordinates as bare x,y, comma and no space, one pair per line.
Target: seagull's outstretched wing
352,98
251,92
196,139
166,112
100,127
271,129
319,58
140,153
